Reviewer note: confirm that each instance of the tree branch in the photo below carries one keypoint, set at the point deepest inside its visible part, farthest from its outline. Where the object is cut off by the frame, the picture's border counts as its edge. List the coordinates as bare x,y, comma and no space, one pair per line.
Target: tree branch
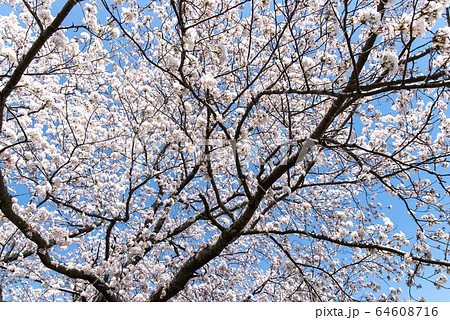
31,54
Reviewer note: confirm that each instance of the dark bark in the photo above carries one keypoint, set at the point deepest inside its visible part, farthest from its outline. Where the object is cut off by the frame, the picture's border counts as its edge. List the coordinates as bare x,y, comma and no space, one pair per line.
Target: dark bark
6,203
31,54
6,206
203,256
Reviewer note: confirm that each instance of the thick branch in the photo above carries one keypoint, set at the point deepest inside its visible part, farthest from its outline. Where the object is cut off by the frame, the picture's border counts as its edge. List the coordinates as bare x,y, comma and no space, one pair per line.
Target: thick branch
6,206
203,256
31,54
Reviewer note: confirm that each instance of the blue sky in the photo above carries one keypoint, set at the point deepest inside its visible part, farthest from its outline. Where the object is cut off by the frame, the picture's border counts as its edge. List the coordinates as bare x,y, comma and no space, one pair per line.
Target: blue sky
397,214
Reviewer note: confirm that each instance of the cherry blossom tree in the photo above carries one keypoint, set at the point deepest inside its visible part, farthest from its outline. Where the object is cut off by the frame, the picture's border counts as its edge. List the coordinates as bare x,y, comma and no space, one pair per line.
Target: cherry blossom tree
212,150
